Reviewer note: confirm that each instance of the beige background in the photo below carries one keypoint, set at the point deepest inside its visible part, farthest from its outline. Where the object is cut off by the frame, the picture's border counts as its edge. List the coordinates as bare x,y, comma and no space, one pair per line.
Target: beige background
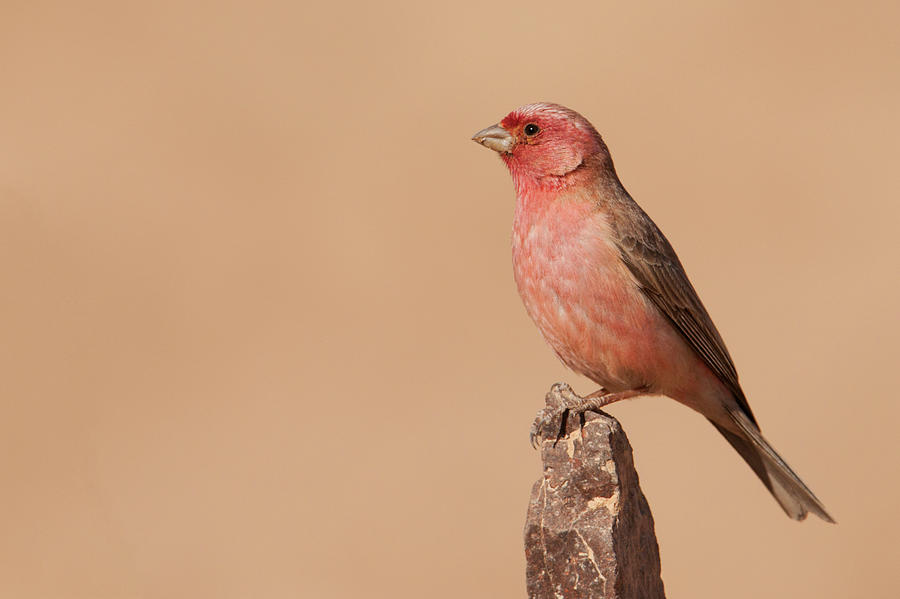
261,337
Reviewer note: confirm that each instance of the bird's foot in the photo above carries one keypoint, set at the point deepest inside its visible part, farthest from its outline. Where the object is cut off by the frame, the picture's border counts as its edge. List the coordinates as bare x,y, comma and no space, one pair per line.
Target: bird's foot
562,402
550,422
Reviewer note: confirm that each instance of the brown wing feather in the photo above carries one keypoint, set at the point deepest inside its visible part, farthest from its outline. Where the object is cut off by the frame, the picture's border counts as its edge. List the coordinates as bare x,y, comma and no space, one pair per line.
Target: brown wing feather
654,264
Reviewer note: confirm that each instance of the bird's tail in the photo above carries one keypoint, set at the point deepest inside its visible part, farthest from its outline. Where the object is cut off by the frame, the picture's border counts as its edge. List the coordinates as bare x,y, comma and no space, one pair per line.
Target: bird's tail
794,497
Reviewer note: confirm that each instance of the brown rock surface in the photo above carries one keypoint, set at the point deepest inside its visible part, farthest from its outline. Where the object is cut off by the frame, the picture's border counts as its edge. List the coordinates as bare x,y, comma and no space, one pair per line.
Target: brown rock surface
589,530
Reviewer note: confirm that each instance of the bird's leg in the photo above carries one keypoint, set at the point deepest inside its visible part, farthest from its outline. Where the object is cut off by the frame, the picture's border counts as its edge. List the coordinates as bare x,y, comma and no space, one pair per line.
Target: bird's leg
563,402
598,393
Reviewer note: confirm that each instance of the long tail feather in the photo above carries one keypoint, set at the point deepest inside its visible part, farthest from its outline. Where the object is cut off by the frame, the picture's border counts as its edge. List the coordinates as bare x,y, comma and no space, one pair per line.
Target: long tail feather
794,497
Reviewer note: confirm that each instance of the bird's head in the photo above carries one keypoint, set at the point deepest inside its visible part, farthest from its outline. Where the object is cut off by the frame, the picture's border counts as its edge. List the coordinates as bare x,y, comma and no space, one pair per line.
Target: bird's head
543,140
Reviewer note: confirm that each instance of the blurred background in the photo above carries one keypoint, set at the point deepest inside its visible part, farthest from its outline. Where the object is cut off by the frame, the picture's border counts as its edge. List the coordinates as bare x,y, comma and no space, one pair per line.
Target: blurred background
261,337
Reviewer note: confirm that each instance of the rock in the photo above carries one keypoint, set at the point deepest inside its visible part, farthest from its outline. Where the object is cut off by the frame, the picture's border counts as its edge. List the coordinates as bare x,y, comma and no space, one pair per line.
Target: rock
589,530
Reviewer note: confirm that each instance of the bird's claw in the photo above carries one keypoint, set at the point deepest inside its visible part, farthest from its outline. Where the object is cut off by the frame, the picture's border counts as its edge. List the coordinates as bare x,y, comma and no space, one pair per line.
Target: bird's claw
550,422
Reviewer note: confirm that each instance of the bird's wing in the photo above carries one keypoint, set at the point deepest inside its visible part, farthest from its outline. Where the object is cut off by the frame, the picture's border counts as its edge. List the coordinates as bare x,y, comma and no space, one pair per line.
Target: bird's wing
654,264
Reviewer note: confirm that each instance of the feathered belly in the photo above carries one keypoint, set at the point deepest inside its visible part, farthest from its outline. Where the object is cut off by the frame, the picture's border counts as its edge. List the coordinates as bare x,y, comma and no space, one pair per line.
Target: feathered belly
589,308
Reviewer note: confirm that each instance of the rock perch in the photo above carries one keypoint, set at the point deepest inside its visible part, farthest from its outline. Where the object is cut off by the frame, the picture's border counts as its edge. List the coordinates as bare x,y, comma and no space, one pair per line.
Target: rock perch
589,531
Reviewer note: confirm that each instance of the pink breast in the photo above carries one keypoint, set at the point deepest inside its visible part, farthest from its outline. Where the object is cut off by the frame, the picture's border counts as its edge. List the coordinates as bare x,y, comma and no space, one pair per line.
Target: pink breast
583,298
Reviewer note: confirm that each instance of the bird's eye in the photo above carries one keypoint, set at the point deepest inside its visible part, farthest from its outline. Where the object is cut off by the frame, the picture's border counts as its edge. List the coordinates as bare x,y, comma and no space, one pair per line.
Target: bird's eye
532,129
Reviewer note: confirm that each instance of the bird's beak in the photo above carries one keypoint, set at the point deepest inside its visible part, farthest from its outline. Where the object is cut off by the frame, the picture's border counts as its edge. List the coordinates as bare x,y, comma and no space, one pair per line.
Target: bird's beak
496,138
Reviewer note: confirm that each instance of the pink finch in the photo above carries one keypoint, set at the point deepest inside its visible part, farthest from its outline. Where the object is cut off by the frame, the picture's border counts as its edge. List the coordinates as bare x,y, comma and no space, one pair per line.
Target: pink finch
609,294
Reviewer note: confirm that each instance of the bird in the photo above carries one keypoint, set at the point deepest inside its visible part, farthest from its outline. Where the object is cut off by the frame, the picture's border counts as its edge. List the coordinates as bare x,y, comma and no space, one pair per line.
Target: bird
610,296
